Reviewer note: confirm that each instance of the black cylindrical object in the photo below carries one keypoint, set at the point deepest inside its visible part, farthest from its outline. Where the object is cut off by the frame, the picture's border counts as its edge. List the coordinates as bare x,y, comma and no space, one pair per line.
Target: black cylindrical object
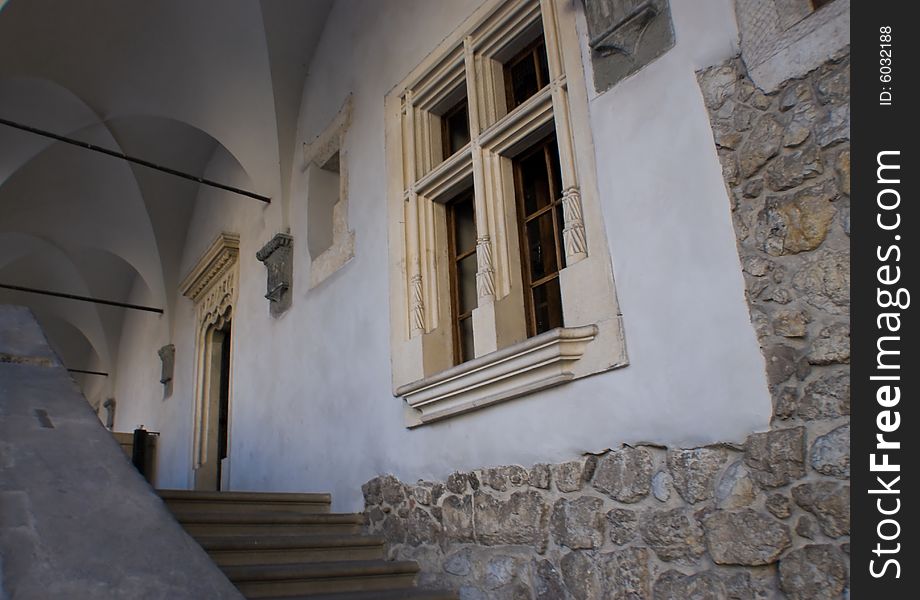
139,452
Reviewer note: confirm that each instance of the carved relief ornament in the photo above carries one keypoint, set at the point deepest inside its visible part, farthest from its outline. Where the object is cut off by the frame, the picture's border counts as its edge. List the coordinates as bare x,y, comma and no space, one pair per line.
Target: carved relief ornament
212,283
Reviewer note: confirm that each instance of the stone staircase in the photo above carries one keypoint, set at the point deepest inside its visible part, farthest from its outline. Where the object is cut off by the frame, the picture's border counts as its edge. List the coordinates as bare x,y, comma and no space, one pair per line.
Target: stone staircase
289,546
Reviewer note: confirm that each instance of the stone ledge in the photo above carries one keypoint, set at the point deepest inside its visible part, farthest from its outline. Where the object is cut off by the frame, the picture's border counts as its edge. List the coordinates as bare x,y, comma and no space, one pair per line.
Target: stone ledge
538,363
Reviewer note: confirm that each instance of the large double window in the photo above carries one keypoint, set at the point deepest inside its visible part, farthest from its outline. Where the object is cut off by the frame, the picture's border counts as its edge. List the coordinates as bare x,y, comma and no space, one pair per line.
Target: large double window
500,273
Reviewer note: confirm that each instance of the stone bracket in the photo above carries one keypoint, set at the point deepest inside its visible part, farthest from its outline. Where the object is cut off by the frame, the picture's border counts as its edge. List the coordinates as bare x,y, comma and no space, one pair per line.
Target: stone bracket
167,356
278,258
626,35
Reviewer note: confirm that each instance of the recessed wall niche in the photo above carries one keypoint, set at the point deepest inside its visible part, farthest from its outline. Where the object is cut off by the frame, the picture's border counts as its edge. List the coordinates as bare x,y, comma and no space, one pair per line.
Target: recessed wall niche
329,241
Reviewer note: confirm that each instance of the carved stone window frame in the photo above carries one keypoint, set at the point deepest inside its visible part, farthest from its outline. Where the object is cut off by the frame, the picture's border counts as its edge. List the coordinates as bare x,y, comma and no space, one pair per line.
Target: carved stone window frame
419,182
213,285
318,153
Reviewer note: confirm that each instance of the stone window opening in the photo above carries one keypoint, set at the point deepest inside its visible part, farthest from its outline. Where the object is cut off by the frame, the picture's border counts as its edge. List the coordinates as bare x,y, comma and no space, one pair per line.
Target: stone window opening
330,243
543,277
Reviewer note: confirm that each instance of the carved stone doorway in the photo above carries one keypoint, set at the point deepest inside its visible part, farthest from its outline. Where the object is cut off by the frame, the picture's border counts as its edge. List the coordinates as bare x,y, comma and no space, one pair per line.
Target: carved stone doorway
212,286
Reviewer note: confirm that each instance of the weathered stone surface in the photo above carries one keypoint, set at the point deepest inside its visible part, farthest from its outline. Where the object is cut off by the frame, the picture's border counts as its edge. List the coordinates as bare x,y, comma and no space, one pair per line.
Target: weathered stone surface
521,519
579,523
830,454
729,163
794,168
785,402
827,397
624,475
569,477
800,123
815,572
622,525
539,476
694,472
495,478
456,482
581,576
744,537
421,528
468,592
718,84
829,502
798,222
672,534
790,323
762,144
674,585
740,587
626,574
834,87
500,571
457,518
661,486
793,95
825,280
834,127
776,457
760,100
547,581
779,506
781,363
393,529
842,167
752,188
386,489
458,563
831,346
422,494
736,488
807,527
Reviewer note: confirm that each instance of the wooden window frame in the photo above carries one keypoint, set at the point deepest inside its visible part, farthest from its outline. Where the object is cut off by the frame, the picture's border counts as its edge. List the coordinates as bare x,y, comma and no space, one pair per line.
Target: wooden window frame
545,146
456,316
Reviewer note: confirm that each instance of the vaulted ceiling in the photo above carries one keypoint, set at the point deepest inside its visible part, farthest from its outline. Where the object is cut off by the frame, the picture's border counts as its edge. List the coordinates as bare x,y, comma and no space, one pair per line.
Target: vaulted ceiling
182,83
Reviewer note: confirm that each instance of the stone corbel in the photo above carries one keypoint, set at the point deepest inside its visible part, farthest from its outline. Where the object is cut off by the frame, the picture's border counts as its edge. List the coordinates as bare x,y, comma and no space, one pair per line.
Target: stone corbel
278,258
626,35
167,356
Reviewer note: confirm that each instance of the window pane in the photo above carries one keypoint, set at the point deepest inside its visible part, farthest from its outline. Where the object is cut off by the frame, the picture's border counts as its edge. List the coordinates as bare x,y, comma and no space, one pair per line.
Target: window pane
466,339
534,183
523,80
544,67
464,226
458,128
547,306
541,246
466,282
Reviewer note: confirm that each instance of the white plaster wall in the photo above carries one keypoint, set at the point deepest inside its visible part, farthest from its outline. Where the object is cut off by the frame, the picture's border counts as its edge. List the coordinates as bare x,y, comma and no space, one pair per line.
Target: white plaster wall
311,402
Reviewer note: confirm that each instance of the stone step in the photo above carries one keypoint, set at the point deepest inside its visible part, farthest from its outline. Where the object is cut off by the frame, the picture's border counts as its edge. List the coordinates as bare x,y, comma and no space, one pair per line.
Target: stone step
262,522
285,549
403,594
245,501
261,581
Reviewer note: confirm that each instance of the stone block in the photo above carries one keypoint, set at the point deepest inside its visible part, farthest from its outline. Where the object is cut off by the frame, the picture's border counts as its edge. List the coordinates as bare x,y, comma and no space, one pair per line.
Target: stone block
624,475
817,572
745,537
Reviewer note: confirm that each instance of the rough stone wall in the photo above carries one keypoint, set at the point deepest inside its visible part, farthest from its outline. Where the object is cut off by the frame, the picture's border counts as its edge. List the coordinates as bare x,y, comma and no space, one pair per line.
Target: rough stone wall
770,518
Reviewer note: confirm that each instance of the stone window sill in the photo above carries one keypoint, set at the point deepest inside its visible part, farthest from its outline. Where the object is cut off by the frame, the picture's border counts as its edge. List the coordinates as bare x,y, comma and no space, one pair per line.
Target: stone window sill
543,361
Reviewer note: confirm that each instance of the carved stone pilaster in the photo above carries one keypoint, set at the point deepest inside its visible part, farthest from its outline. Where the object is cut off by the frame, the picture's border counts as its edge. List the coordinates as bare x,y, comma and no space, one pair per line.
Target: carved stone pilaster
278,257
167,356
626,35
485,273
418,306
573,231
